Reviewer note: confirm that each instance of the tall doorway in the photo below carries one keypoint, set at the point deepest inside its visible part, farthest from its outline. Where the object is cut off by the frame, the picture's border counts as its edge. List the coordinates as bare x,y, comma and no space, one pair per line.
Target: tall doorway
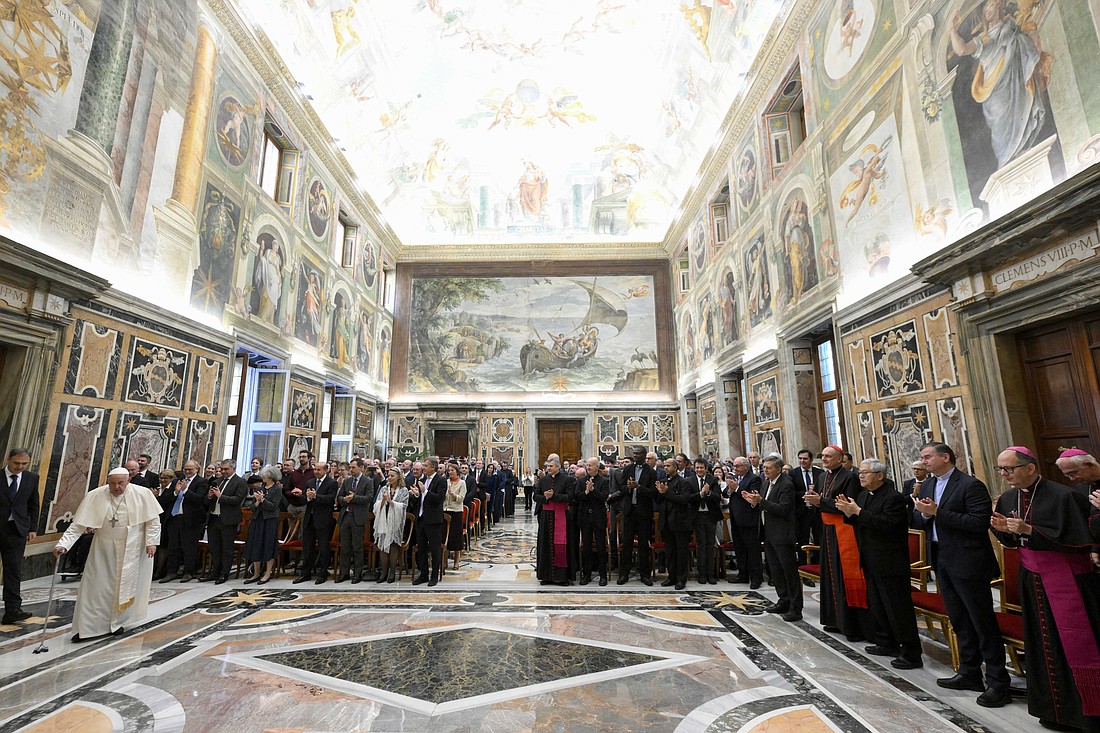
562,437
452,443
1061,368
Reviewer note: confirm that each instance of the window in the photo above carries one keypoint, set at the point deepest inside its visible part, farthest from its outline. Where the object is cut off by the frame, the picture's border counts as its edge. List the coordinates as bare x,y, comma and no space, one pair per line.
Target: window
278,166
719,216
263,407
337,433
828,394
389,288
236,403
350,236
684,267
785,121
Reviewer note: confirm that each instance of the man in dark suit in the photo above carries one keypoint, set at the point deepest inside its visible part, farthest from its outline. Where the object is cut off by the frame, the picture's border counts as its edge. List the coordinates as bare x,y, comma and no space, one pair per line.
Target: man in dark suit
807,521
146,476
355,502
955,509
225,498
911,488
706,513
426,502
415,475
186,522
881,520
590,499
779,503
678,496
638,497
616,487
746,521
18,526
317,525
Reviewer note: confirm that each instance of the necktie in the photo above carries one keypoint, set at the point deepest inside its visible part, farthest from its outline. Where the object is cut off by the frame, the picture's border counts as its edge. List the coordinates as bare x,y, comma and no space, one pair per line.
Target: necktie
809,479
13,487
420,512
177,508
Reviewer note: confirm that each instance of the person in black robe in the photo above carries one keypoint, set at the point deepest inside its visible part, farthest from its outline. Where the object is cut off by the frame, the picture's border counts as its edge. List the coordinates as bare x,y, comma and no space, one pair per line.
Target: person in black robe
1060,593
843,589
590,501
555,554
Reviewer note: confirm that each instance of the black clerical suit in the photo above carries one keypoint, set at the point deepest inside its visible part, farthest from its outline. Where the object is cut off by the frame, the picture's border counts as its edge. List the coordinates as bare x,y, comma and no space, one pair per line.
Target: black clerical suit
638,503
591,513
317,527
882,533
354,515
186,523
680,501
746,530
779,506
965,563
807,519
616,483
428,508
224,521
18,518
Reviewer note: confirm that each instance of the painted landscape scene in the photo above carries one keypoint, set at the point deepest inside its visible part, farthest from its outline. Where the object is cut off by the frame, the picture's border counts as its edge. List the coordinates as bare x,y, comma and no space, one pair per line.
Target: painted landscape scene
540,334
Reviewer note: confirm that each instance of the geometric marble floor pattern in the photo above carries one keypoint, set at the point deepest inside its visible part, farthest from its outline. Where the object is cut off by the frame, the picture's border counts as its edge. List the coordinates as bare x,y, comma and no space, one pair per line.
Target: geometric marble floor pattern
487,649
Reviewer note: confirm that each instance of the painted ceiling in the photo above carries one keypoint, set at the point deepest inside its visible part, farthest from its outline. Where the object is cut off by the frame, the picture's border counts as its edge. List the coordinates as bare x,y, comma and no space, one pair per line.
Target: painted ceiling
482,121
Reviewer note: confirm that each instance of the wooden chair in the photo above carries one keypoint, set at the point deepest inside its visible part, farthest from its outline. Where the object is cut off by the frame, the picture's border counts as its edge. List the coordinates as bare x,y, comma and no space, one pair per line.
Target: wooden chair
930,606
1010,620
368,544
238,542
919,569
725,546
475,519
443,545
289,536
406,542
810,571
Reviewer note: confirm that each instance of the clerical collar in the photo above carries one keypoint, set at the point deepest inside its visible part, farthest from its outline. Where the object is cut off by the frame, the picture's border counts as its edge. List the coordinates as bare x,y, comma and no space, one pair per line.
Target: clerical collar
1028,489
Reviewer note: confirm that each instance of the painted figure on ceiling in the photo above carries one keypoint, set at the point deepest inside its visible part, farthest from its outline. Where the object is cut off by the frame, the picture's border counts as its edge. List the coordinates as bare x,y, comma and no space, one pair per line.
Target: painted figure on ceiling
1010,74
532,191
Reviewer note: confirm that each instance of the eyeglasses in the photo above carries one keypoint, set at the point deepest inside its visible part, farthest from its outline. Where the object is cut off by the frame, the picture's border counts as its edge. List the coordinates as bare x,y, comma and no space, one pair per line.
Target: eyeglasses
1009,469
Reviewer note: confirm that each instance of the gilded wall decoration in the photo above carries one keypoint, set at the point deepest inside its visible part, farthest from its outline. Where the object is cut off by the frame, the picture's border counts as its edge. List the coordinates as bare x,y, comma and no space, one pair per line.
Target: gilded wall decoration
80,447
155,374
952,421
904,431
897,363
941,349
765,401
93,360
857,364
303,409
206,385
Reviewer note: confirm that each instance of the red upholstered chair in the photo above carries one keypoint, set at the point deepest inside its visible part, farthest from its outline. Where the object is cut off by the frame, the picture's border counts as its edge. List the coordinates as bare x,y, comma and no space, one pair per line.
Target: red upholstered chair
930,606
919,569
369,554
810,571
290,539
1009,620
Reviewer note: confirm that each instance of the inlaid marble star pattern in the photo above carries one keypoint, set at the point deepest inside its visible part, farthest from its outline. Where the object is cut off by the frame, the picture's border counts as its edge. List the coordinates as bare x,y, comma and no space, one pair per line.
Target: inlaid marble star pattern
748,603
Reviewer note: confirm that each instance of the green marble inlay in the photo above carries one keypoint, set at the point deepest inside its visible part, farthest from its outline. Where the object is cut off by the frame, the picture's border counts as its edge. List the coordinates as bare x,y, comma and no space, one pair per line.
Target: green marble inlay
451,665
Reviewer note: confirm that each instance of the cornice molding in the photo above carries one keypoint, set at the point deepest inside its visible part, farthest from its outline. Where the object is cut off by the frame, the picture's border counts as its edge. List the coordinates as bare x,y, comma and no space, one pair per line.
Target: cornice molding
279,82
500,252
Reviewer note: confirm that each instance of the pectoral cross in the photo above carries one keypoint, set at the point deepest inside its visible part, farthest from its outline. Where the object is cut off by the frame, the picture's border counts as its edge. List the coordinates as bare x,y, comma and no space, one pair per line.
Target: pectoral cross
114,522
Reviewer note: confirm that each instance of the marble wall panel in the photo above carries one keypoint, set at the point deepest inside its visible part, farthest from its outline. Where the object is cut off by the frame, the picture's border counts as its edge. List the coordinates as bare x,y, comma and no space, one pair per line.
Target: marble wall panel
206,385
904,431
865,424
155,374
896,361
93,360
137,433
79,449
953,430
857,363
941,349
200,442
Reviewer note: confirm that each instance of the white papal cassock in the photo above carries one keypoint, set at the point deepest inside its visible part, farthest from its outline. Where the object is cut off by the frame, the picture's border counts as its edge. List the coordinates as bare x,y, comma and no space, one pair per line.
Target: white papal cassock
114,590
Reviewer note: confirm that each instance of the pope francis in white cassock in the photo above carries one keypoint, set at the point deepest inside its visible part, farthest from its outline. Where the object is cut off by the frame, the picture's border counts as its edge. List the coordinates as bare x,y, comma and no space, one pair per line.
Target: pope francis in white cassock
114,591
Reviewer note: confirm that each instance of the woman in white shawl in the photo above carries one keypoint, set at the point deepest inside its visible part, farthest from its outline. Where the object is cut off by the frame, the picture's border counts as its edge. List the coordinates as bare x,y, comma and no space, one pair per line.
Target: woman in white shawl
389,523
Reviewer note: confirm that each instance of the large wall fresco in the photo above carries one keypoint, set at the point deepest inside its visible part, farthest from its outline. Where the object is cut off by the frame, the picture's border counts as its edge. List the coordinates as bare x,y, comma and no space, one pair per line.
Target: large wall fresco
550,335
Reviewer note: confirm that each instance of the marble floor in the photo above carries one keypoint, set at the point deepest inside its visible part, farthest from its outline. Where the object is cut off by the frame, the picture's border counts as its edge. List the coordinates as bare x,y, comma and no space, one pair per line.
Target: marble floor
488,649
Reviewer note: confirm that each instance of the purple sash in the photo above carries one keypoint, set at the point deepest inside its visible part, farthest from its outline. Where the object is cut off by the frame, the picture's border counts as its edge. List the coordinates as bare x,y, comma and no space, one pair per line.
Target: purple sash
1057,571
561,537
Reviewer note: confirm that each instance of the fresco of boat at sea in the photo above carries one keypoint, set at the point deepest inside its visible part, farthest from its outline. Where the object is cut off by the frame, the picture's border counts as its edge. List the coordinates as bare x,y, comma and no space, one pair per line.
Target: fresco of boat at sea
545,334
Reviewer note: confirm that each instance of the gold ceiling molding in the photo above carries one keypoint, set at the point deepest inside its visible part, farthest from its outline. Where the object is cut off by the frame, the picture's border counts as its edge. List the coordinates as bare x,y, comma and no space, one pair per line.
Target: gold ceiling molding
496,252
276,77
770,63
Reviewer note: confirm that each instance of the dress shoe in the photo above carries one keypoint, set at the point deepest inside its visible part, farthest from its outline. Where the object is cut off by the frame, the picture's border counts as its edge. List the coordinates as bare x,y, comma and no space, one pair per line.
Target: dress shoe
808,583
621,580
169,578
792,616
420,581
586,578
777,607
301,579
207,578
879,650
959,682
340,579
1054,725
356,580
77,638
994,698
15,617
712,581
831,629
681,586
755,584
252,579
320,580
221,581
263,581
668,582
903,663
433,583
380,579
740,579
603,580
647,581
187,578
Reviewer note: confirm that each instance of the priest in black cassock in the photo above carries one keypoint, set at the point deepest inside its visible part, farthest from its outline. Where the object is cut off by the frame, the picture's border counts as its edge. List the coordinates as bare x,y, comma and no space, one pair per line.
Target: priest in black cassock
1060,593
555,555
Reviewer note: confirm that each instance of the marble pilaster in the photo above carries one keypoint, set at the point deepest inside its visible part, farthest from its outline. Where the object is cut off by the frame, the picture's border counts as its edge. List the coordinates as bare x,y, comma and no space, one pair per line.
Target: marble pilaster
185,185
97,116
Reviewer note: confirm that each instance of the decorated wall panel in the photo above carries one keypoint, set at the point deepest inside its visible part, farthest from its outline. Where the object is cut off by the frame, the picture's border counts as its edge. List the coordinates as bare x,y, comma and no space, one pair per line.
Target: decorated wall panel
618,433
766,416
502,437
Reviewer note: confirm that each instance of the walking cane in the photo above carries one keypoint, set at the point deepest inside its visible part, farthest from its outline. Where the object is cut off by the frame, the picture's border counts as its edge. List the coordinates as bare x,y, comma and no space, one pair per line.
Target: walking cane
49,608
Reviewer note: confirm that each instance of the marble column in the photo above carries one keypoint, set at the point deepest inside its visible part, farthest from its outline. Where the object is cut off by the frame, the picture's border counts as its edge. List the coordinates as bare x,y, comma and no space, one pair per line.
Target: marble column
185,186
97,116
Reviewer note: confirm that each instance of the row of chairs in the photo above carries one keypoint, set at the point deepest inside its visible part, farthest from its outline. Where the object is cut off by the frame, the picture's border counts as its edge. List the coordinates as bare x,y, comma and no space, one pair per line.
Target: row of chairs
930,605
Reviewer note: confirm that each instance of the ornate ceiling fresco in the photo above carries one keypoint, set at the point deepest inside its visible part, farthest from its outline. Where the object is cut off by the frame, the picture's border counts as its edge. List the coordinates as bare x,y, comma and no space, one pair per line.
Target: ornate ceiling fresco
481,121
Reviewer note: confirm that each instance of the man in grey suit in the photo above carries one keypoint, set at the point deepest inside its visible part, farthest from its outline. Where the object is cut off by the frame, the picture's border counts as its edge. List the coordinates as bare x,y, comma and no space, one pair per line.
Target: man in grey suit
226,495
779,503
18,525
355,500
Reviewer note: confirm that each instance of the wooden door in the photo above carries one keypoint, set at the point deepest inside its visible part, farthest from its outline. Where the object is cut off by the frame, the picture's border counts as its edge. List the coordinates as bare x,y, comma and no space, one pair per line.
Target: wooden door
452,443
560,436
1061,367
